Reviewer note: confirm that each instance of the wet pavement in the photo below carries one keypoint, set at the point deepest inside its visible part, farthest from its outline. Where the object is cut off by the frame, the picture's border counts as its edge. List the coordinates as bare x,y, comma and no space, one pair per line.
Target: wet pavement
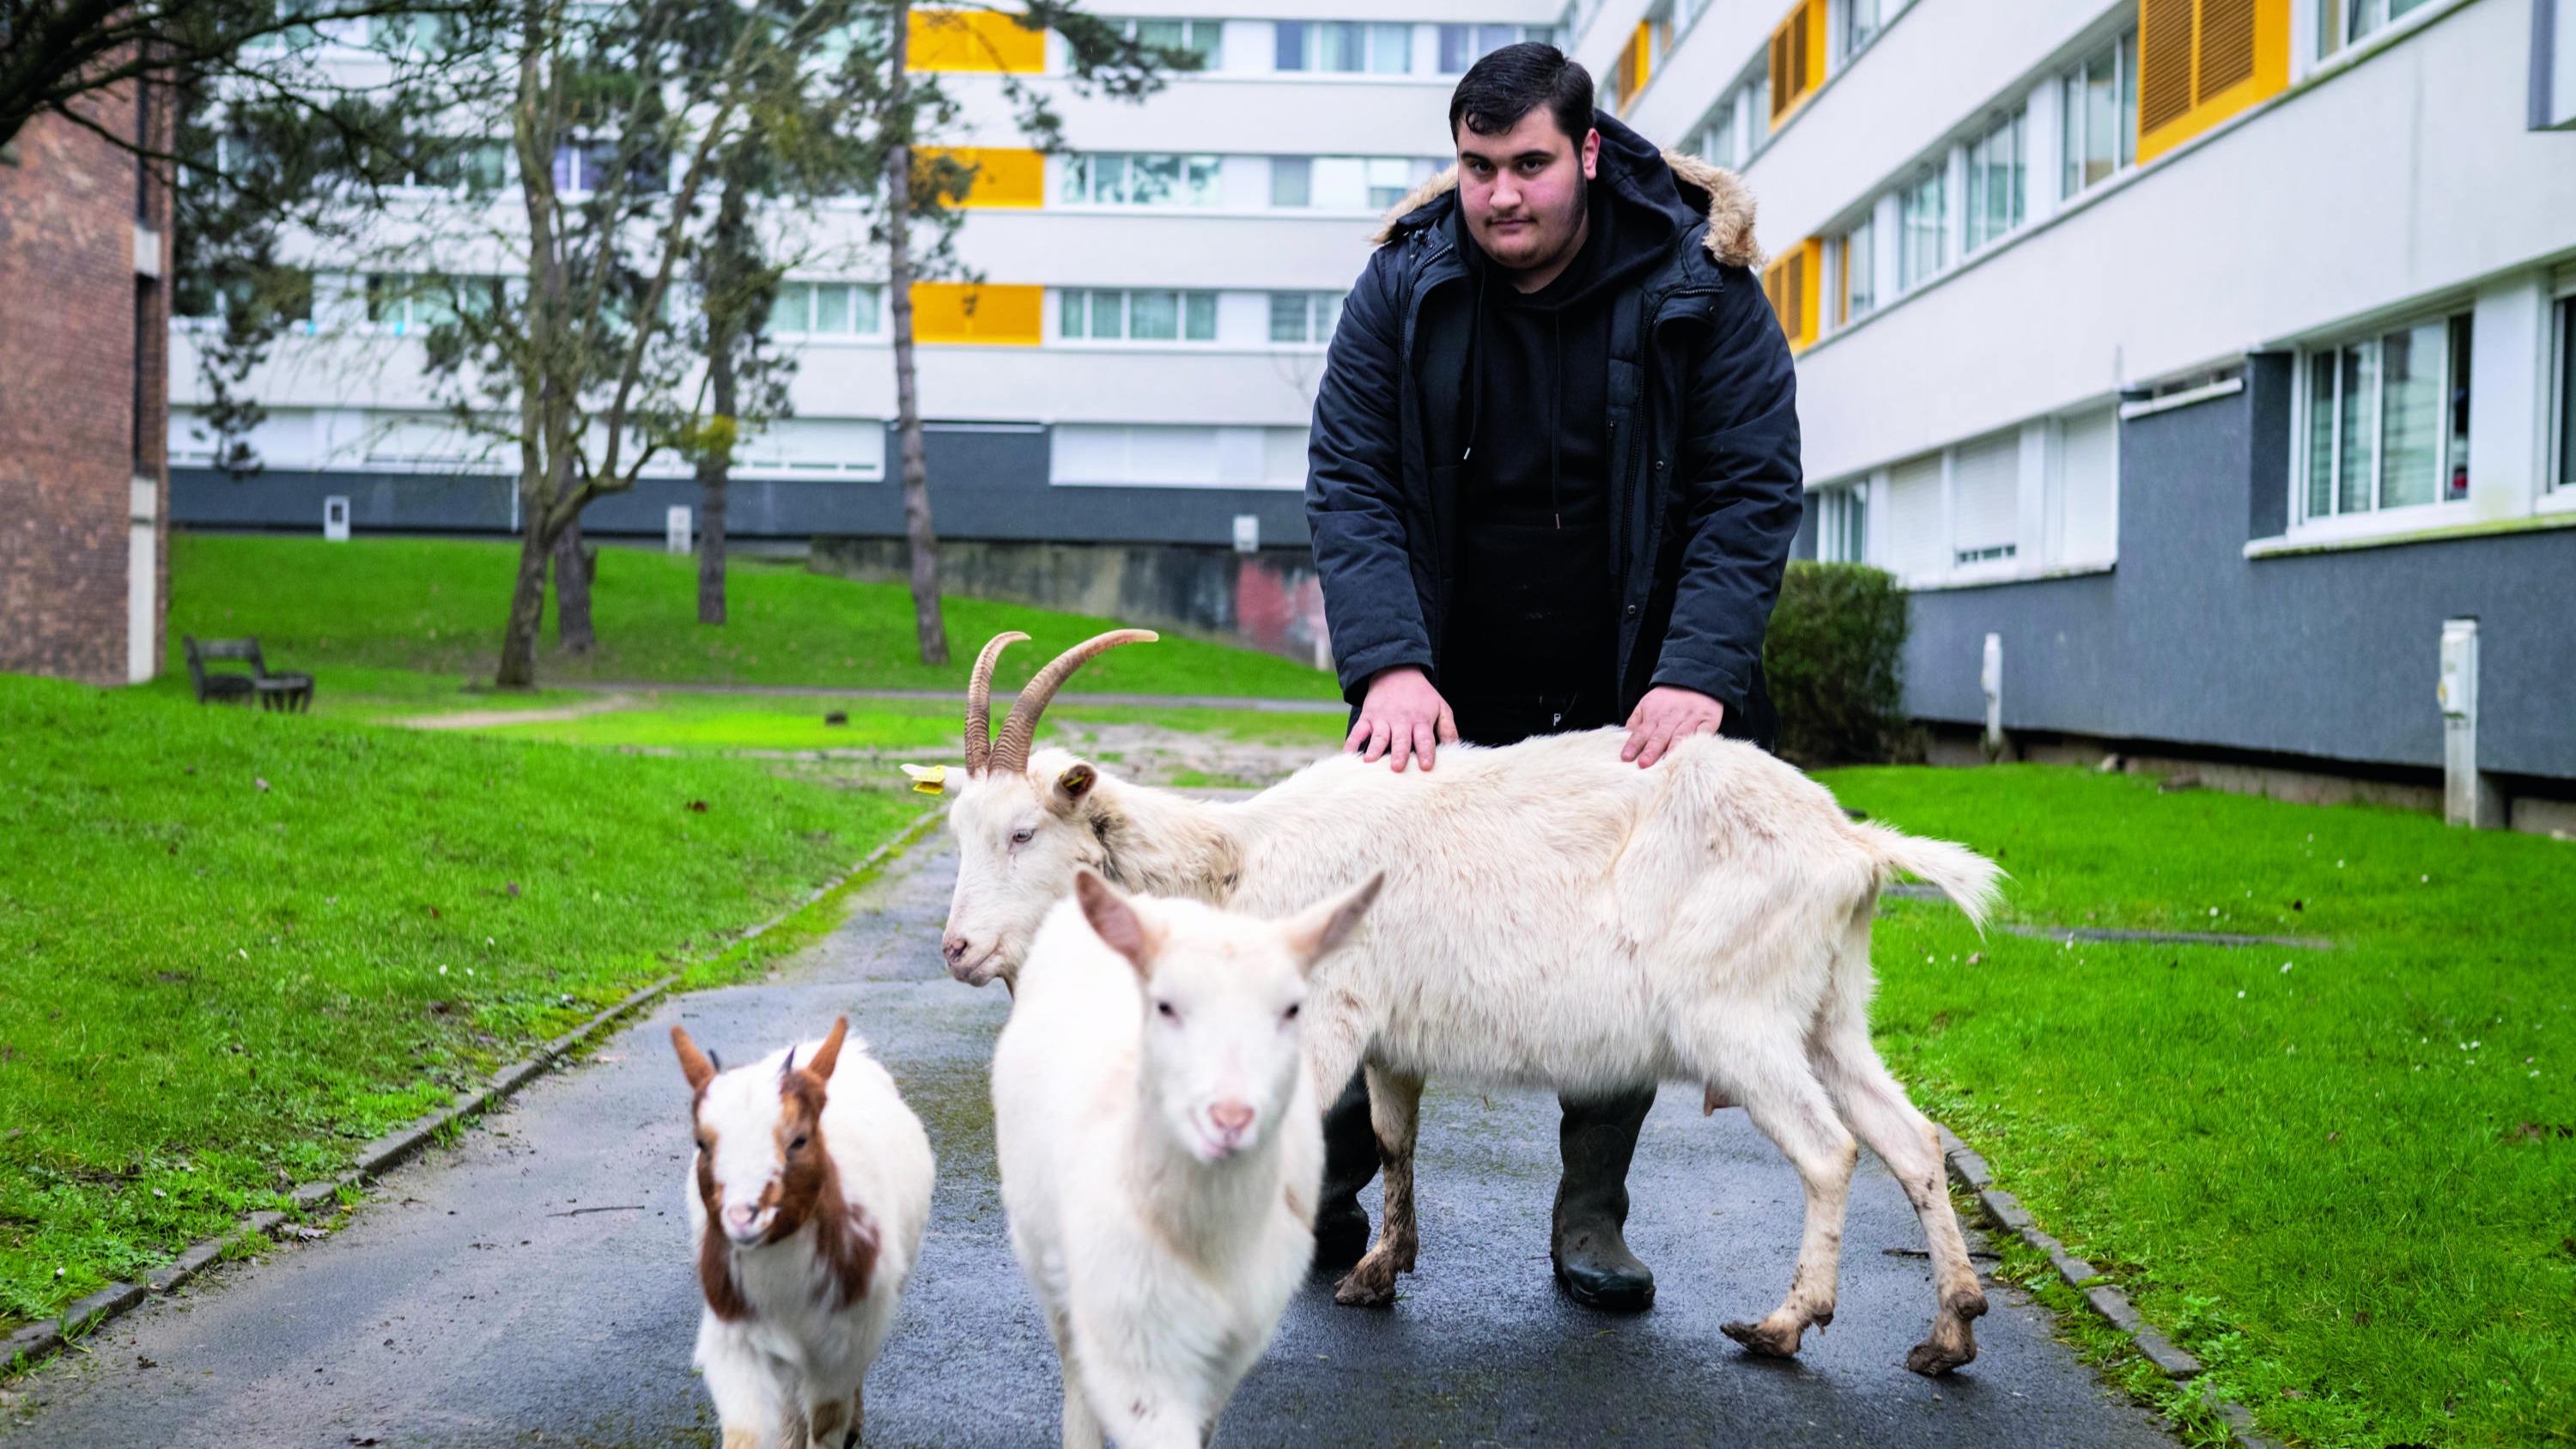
531,1285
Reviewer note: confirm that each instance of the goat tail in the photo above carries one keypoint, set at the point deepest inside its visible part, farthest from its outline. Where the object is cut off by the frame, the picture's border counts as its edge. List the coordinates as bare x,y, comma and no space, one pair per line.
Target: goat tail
1967,878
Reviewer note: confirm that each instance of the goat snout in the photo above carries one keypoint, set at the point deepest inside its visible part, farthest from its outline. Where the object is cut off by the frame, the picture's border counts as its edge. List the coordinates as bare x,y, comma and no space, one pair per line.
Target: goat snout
744,1221
1231,1119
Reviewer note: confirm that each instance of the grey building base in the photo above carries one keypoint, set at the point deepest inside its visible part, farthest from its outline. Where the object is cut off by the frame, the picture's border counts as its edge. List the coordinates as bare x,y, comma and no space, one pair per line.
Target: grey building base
1269,600
2327,659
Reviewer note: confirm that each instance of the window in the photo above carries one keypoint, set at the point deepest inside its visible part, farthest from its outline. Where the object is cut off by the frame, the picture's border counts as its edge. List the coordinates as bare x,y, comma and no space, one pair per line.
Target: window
402,303
2083,494
1985,499
1203,38
1636,65
843,447
1162,455
1793,283
1859,264
1347,183
1909,527
1995,181
2388,421
2566,470
406,36
582,167
1861,24
1760,124
1924,227
1842,524
825,309
1108,179
2341,22
1463,45
1139,316
1797,60
443,163
1304,317
1717,137
2100,111
1346,47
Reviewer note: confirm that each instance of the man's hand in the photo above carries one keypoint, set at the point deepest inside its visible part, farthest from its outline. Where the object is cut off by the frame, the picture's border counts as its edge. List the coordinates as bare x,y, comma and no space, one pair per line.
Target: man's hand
1402,716
1666,714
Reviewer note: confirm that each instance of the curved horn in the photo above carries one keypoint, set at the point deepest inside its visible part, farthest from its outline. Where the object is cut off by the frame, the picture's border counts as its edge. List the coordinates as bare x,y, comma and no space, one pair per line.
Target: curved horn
979,700
1011,752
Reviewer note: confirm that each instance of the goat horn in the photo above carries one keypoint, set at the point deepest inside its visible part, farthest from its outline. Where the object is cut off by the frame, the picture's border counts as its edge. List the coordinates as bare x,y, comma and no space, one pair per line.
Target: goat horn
1011,752
979,701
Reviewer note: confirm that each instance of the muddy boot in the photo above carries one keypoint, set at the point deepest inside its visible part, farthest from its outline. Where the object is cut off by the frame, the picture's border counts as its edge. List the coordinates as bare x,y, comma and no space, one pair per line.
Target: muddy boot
1350,1160
1590,1252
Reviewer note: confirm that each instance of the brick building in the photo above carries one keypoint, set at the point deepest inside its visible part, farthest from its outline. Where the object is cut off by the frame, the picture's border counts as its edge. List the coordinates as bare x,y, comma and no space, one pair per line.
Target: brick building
84,397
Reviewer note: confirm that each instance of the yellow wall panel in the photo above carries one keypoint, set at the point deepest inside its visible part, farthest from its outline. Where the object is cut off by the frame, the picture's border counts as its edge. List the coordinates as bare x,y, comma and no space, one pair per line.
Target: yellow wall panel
973,40
1004,176
977,312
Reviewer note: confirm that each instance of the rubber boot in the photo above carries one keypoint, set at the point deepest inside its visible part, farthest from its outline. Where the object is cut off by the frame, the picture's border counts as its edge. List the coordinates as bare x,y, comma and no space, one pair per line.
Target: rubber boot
1350,1161
1590,1250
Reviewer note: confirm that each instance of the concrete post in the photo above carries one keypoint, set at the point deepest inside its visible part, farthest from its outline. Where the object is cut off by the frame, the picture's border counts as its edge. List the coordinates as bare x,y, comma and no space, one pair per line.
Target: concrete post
2469,797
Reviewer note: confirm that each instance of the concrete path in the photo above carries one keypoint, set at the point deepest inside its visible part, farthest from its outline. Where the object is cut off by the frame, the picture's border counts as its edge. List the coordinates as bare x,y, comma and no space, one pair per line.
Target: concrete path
531,1286
484,719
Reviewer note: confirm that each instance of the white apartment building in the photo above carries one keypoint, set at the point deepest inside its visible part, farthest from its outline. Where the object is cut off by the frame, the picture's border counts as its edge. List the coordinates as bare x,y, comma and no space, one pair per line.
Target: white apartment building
2208,355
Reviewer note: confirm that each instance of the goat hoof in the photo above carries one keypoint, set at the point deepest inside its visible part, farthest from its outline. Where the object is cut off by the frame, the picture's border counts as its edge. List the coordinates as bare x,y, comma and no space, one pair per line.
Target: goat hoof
1768,1342
1370,1285
1932,1359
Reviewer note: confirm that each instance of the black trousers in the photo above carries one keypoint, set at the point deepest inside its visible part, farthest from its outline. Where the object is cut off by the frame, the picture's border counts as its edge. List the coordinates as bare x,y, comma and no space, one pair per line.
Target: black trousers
1603,1131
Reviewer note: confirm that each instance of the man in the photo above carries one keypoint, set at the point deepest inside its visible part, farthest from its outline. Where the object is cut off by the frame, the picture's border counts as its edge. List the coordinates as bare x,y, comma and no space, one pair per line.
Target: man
1553,481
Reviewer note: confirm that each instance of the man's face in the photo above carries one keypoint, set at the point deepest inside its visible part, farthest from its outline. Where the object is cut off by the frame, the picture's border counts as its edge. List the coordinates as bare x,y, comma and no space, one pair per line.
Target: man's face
1523,190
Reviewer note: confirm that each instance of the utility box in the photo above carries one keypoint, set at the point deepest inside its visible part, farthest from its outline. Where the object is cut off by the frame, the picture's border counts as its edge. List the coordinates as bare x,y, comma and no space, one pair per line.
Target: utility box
335,518
2468,796
678,526
1247,533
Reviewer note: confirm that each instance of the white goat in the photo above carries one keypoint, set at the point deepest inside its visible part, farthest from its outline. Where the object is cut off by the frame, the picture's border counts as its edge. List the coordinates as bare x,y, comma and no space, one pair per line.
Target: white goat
806,1204
1161,1148
1553,917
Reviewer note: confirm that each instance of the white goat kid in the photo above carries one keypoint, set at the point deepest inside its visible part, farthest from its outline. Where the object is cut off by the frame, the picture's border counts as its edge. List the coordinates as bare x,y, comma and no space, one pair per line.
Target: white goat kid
807,1201
1161,1148
1553,917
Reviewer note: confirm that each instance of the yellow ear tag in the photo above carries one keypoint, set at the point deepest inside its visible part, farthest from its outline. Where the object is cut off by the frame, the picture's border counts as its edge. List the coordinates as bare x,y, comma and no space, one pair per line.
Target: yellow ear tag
928,779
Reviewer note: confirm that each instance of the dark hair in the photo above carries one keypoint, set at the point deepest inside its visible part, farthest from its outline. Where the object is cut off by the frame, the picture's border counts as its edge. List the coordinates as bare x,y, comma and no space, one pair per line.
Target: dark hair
1510,83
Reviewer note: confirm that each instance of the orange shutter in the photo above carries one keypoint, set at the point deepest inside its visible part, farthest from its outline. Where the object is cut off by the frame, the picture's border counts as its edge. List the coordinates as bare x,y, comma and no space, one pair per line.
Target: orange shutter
1793,284
977,312
1003,176
2202,61
972,40
1797,58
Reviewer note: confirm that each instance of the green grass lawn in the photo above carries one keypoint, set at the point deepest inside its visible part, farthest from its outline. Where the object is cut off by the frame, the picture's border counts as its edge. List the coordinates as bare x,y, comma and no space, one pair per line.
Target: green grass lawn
771,722
236,946
2346,1178
417,616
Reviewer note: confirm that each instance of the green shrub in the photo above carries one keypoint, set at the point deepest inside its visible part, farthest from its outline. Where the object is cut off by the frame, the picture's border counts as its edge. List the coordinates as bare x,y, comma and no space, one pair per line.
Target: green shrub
1835,661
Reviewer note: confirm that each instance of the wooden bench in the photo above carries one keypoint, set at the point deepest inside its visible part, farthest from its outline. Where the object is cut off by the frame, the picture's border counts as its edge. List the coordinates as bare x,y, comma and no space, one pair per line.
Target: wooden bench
287,691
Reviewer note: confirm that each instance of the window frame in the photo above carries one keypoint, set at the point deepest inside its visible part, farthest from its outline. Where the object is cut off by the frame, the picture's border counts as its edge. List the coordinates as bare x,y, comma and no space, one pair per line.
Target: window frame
1079,186
1973,237
1860,238
2558,484
1211,53
1185,309
1311,49
1937,180
2379,516
1842,522
812,289
2390,15
1473,35
1321,312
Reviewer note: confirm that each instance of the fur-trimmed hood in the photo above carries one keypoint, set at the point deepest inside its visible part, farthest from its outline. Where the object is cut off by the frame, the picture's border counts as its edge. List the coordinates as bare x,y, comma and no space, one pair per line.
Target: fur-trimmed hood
1714,191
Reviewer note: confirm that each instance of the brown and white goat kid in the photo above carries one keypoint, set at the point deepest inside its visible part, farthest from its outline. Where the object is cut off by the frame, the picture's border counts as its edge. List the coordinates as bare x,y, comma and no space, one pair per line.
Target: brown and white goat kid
1161,1148
807,1200
1553,917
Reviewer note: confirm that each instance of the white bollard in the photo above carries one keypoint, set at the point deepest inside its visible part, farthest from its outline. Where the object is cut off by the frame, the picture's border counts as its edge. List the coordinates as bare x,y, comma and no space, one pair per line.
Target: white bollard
2469,797
1990,678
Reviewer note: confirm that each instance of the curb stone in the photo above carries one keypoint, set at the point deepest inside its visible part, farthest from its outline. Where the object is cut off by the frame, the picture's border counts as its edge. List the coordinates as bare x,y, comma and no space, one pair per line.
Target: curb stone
30,1345
2005,1211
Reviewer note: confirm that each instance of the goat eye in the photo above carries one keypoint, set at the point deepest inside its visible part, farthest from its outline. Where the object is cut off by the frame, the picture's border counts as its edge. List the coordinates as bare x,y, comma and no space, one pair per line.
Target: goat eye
1023,837
1291,1014
1165,1008
796,1146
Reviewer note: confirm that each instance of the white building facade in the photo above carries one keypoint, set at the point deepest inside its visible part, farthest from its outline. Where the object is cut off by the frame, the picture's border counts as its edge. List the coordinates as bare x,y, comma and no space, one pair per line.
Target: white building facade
2211,353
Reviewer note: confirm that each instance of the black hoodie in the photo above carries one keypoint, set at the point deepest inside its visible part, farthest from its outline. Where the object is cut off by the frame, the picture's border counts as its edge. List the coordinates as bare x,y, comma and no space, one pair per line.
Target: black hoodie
1536,616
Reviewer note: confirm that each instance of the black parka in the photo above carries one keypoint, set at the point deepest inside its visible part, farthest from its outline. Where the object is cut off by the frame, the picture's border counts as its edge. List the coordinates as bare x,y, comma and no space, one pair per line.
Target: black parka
1705,492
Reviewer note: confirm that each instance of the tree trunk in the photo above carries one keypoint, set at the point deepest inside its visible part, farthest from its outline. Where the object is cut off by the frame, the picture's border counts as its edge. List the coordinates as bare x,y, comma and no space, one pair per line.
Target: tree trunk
574,566
725,274
713,473
916,473
527,609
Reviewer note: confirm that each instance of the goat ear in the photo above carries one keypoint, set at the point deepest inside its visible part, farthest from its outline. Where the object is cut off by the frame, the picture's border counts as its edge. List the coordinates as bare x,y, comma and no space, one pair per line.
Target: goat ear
1117,921
1074,784
828,1055
693,1062
1313,934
